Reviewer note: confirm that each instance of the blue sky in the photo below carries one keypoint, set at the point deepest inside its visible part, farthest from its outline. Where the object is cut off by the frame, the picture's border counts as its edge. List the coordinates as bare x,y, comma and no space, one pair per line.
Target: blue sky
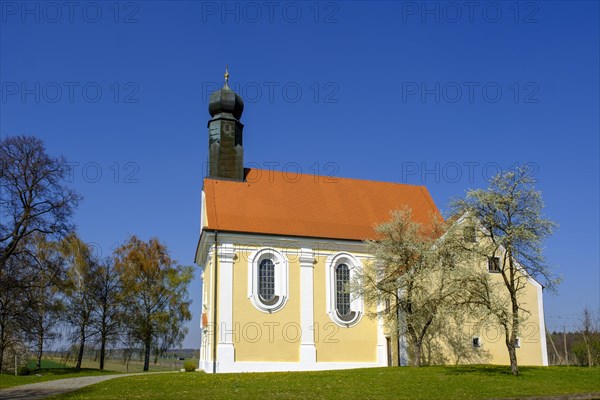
438,93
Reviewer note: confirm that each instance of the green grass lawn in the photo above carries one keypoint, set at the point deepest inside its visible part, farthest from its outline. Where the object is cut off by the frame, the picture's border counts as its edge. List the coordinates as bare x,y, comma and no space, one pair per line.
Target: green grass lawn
462,382
46,364
50,371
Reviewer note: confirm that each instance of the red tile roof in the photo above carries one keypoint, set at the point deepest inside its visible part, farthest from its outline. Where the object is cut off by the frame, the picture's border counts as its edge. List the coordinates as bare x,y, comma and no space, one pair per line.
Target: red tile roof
280,203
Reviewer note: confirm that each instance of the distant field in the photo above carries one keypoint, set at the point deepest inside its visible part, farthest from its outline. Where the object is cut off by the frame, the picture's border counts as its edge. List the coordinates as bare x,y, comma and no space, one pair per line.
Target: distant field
54,368
462,382
134,365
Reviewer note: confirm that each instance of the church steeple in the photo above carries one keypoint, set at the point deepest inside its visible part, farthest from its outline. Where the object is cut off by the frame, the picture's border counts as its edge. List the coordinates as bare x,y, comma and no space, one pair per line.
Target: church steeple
226,152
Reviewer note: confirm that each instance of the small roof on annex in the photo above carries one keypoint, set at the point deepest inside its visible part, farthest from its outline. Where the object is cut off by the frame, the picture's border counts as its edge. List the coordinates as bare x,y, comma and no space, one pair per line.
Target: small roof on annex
304,205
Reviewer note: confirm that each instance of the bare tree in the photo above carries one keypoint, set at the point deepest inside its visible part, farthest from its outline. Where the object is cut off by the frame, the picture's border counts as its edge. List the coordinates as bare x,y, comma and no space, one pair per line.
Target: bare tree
33,201
33,197
13,310
509,219
588,331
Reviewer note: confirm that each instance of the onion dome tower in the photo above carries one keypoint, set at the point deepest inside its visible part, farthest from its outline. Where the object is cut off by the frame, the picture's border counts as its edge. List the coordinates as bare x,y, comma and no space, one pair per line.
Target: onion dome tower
226,152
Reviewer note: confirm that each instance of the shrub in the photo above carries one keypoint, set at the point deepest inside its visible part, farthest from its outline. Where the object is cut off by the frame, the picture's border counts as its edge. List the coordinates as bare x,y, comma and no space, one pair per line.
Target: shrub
24,370
189,366
579,348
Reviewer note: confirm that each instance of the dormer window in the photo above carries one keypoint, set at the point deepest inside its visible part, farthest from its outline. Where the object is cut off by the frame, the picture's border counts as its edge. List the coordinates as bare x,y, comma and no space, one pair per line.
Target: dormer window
494,264
470,235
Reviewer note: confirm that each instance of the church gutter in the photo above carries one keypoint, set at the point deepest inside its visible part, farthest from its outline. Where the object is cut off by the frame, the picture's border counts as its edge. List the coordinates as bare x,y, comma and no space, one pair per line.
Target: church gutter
214,346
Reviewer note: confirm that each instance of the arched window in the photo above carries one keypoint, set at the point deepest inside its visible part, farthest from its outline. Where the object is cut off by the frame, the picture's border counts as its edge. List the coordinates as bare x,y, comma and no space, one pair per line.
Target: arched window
342,295
343,307
267,280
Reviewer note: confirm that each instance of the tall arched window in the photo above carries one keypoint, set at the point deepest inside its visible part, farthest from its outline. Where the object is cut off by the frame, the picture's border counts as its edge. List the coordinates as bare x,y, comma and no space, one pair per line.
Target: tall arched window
342,296
268,280
344,308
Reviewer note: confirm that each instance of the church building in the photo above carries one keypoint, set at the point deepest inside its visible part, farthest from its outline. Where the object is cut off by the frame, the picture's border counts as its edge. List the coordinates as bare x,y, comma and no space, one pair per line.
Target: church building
277,251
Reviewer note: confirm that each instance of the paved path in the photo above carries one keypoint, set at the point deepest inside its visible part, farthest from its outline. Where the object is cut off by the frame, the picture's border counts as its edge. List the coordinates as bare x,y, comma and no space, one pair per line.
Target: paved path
40,390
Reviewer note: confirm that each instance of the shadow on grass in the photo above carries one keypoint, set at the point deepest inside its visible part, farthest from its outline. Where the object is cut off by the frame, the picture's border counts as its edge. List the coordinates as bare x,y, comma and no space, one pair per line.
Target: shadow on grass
503,370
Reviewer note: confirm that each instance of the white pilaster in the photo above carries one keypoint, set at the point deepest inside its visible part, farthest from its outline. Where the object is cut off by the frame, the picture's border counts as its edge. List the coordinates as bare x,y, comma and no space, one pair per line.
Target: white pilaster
225,349
205,362
308,351
382,351
542,325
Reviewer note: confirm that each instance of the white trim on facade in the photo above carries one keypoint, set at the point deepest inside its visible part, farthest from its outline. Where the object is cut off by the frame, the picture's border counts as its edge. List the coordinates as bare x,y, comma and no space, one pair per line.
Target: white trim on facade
258,366
225,348
206,335
291,244
542,322
203,223
308,350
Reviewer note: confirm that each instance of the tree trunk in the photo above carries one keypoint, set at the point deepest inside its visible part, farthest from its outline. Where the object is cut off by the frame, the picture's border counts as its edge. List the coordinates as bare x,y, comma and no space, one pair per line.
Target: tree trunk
2,344
147,353
510,339
416,361
81,348
512,353
40,351
589,352
417,344
102,350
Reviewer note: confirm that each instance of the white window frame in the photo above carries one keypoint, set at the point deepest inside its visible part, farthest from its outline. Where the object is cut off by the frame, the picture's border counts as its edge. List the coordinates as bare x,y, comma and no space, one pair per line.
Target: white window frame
356,302
281,279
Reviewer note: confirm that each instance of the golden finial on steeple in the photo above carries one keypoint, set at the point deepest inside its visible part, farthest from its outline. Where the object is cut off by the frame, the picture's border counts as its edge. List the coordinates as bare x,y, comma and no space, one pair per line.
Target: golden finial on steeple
226,73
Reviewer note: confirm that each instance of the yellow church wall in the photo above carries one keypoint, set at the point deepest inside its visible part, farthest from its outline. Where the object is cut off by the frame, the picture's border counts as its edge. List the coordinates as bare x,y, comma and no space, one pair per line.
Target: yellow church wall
531,330
263,336
334,343
493,346
493,338
260,336
275,337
